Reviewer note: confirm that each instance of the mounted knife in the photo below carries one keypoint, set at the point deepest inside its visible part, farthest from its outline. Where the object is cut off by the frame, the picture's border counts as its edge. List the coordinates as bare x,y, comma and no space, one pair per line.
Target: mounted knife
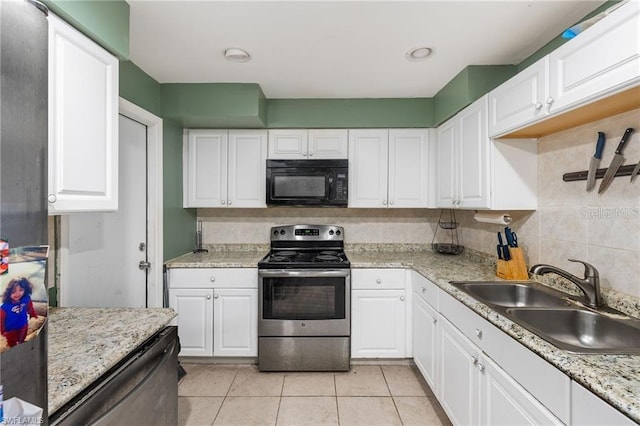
595,162
634,173
617,161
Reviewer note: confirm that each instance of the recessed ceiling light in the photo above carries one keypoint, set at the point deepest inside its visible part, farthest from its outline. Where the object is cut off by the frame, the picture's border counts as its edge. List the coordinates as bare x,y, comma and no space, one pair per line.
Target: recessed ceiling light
419,54
235,54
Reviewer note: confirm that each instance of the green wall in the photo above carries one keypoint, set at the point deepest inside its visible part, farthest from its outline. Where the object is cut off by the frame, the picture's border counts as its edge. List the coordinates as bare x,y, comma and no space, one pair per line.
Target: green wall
104,21
351,113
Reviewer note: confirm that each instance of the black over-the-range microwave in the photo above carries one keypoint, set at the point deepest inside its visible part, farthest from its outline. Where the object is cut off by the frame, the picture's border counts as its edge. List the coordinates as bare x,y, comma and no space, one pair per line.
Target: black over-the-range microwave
311,183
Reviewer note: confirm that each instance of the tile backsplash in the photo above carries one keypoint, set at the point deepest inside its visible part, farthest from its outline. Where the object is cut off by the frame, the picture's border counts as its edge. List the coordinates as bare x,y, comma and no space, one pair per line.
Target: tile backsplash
570,223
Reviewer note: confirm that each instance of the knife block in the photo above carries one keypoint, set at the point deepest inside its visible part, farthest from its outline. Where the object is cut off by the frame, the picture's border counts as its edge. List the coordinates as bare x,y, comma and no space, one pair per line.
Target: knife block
514,269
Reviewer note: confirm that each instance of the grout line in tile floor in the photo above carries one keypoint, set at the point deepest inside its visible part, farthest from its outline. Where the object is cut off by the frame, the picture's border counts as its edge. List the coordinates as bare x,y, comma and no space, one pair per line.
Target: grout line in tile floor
353,398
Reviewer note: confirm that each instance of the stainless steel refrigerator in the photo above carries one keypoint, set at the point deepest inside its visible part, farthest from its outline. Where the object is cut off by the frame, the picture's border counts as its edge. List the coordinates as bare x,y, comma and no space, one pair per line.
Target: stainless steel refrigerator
23,172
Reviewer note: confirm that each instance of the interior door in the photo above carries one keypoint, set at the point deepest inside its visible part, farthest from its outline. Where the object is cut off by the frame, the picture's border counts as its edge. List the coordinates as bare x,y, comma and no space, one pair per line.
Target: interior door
104,250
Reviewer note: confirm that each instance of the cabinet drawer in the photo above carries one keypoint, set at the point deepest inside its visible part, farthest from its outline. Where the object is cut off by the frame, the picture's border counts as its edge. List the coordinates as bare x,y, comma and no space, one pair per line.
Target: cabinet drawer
213,277
373,279
545,382
425,289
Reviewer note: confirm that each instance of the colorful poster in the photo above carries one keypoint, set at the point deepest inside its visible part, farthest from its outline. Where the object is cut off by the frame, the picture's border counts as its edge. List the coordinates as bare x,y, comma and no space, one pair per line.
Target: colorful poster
24,306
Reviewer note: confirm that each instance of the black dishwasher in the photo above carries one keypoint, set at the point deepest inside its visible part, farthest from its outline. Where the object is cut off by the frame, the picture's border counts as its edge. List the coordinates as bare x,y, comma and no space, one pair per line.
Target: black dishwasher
141,390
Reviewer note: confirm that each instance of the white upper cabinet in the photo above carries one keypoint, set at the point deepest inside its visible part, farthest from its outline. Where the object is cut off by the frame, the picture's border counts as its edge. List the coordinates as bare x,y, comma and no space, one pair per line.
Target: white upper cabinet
601,61
520,100
463,159
390,168
225,168
475,172
83,123
318,144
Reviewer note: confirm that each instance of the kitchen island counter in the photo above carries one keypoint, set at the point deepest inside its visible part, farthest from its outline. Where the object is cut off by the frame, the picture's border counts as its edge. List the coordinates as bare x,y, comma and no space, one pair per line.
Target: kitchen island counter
614,378
84,343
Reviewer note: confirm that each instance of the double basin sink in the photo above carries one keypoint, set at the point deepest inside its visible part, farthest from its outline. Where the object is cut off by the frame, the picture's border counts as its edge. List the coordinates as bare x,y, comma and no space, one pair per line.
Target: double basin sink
555,317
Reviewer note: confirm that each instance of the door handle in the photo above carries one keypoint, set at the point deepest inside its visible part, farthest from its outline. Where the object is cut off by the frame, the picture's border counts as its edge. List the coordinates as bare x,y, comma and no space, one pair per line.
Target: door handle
144,265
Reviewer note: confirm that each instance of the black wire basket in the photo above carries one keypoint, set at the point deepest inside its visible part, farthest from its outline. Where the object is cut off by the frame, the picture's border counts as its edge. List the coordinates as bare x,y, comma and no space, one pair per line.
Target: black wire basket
449,224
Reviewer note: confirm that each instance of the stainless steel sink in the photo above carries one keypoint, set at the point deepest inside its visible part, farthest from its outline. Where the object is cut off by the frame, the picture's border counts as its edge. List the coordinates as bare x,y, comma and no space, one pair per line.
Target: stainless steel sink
512,294
581,330
557,318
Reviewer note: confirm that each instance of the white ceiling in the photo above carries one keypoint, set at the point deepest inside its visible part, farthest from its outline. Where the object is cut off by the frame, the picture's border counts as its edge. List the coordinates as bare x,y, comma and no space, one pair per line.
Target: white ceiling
340,49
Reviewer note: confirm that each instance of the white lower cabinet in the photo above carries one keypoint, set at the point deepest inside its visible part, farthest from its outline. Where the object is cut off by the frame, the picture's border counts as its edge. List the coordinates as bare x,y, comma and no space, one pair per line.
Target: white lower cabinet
475,390
426,329
588,409
378,313
217,310
235,323
194,320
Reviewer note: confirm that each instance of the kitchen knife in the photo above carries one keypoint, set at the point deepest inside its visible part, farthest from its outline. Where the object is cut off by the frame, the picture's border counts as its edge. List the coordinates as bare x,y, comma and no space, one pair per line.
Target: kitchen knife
506,253
512,238
595,161
617,161
635,171
499,247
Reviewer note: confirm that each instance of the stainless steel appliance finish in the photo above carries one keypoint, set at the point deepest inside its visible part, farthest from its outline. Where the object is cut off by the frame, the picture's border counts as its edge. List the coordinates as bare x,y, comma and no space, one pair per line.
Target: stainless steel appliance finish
304,293
313,183
23,172
141,390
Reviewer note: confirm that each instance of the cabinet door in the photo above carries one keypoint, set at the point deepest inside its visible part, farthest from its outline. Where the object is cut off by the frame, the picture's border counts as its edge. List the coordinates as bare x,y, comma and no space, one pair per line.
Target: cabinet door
328,144
409,168
194,320
247,168
519,100
589,409
288,144
425,341
504,401
474,166
206,168
368,166
446,165
235,322
378,324
83,123
601,60
459,376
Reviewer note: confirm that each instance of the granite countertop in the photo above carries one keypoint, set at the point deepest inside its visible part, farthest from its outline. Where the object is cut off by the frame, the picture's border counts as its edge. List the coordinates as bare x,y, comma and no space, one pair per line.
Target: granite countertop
615,378
86,342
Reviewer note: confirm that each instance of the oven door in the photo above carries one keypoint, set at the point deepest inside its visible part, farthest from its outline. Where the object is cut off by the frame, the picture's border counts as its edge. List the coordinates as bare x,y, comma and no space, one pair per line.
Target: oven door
304,302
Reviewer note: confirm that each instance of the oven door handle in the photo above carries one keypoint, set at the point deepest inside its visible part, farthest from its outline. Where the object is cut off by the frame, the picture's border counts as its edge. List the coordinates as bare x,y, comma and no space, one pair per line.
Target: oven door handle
303,273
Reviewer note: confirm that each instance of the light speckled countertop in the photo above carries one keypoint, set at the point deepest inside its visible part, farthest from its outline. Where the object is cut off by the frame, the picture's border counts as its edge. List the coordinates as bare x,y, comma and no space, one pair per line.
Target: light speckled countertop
86,342
615,378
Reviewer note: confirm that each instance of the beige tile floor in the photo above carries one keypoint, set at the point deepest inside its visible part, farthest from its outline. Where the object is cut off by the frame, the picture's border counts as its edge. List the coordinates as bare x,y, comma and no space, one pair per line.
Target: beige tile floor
366,395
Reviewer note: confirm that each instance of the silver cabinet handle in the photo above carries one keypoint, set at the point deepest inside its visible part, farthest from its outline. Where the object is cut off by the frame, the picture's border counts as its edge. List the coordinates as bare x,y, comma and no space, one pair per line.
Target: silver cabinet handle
52,198
223,202
424,290
378,281
391,202
479,333
215,296
212,279
481,367
384,202
538,105
402,298
550,100
435,320
208,297
474,359
229,202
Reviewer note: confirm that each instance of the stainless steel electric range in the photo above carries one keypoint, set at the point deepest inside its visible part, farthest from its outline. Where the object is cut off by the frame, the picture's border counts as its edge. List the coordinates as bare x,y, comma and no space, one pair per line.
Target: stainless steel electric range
304,292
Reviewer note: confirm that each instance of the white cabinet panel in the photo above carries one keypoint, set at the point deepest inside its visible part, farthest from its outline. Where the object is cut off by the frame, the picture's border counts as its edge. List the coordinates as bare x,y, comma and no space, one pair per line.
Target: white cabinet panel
318,144
603,59
588,409
194,320
224,168
235,322
378,323
426,341
377,279
410,182
368,167
83,123
520,100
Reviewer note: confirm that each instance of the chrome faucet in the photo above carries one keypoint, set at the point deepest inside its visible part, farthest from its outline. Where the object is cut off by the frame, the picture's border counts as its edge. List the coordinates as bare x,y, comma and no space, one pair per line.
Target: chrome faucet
590,284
